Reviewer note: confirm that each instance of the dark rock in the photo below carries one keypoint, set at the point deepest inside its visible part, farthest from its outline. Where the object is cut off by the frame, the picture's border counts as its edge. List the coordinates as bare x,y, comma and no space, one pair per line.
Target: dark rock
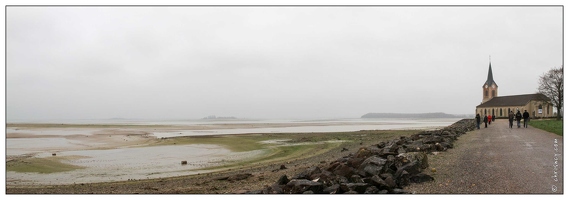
378,182
308,173
343,170
411,168
402,179
344,149
308,192
359,188
371,169
401,150
355,162
283,167
419,178
372,166
299,186
420,157
363,153
382,192
275,189
283,180
390,181
356,179
332,189
371,190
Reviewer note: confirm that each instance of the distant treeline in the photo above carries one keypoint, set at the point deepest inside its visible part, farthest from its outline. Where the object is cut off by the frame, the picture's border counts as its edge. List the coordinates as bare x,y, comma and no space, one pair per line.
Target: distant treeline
414,115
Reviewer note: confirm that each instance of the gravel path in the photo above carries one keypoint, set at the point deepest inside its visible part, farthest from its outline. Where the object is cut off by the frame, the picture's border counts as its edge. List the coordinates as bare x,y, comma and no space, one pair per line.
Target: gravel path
498,160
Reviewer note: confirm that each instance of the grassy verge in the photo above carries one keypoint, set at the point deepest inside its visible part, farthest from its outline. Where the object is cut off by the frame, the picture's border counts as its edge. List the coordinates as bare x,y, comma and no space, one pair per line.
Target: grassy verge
295,145
40,165
550,125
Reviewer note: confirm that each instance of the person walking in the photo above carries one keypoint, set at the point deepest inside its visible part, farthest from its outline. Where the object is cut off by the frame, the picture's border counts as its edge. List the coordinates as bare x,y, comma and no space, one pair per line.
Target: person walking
511,118
485,121
526,118
493,117
519,118
489,119
477,121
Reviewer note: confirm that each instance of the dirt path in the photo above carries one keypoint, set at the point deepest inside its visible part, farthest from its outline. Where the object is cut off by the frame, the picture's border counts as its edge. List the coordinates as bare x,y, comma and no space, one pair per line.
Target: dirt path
498,160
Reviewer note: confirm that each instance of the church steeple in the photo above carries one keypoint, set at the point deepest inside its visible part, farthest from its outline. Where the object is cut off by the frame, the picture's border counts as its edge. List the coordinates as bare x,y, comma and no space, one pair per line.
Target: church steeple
490,88
490,79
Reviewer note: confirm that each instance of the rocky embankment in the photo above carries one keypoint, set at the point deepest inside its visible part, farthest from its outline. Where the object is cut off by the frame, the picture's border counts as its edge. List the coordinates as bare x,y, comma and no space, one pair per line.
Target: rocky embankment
383,168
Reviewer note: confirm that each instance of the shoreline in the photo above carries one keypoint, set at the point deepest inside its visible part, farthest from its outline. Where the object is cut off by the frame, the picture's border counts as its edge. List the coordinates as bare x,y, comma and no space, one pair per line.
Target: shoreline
306,150
263,172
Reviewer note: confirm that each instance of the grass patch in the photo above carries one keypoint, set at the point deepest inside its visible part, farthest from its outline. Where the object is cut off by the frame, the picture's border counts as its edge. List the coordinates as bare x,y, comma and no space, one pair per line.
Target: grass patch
296,145
553,126
40,165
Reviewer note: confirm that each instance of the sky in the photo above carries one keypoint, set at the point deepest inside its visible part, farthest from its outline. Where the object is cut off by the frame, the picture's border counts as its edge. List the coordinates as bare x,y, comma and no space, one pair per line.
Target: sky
270,62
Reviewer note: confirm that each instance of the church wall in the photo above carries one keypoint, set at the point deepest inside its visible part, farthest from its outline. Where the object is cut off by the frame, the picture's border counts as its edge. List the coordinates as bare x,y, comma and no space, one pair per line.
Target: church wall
531,107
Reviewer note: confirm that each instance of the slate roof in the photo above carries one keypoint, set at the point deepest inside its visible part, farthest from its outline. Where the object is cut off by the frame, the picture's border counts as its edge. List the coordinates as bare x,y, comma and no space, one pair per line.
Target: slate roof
515,100
490,78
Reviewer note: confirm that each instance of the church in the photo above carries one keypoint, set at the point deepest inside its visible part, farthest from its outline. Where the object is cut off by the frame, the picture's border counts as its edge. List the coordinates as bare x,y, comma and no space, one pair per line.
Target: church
537,105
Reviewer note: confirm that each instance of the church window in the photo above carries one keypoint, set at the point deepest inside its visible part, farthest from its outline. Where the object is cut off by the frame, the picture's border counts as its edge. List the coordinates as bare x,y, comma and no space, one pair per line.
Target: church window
492,112
486,93
493,93
500,112
485,112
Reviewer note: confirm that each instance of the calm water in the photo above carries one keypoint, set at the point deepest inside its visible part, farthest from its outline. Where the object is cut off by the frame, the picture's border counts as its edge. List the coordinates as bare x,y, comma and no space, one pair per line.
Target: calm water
134,162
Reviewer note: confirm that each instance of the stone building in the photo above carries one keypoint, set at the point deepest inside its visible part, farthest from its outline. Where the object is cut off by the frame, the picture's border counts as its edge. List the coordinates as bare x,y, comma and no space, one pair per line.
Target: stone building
538,105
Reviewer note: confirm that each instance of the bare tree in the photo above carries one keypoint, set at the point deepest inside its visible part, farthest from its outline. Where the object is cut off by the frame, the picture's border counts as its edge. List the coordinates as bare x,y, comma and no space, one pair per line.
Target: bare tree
551,85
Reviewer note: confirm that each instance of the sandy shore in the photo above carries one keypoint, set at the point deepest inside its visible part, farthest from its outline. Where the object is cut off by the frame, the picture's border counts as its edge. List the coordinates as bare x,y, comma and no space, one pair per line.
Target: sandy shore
129,159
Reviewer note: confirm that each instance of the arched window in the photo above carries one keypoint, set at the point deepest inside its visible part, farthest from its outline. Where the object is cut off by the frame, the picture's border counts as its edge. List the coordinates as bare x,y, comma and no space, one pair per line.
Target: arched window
500,112
485,112
509,110
493,93
486,93
492,111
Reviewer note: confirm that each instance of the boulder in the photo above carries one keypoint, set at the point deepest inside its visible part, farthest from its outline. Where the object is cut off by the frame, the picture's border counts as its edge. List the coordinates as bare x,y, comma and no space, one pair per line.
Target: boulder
334,189
299,186
419,178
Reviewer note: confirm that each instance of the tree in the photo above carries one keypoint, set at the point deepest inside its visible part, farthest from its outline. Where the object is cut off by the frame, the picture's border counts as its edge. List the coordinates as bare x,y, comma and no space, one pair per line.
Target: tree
551,85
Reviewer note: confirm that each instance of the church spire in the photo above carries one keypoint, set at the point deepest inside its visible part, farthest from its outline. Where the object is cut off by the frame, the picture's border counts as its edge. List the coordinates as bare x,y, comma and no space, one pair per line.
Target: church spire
490,79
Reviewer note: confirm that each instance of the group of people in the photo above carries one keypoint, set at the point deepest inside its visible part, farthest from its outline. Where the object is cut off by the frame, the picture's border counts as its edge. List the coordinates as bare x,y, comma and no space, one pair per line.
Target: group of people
511,117
487,120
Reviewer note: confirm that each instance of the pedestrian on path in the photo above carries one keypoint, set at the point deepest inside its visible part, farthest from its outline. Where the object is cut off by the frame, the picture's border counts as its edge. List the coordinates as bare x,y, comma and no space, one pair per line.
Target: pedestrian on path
511,118
519,118
493,117
526,118
485,121
489,119
477,121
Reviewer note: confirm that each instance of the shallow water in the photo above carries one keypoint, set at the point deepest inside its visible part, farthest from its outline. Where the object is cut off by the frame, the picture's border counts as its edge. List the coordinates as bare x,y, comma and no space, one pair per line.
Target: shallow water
128,161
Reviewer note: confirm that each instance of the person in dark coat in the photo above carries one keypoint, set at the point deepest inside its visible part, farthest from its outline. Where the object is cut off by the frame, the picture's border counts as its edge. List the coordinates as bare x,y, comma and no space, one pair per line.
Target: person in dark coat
485,121
519,118
493,118
526,118
477,121
511,118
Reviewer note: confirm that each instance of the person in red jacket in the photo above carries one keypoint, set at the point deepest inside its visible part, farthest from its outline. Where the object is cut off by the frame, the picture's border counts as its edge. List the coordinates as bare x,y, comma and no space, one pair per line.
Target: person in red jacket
489,119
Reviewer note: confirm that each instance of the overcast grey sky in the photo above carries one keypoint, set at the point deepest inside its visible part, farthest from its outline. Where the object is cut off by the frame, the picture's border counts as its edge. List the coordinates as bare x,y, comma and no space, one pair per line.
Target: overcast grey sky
296,62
